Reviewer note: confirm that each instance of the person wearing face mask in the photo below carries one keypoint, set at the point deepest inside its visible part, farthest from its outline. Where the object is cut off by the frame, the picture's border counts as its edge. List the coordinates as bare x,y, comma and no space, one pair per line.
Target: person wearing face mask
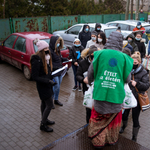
140,43
85,35
75,55
131,40
98,28
101,40
141,82
81,74
139,27
93,39
55,45
41,68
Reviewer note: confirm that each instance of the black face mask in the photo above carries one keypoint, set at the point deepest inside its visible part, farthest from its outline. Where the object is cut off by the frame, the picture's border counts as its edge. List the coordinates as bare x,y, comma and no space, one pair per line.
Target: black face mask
47,52
91,56
135,66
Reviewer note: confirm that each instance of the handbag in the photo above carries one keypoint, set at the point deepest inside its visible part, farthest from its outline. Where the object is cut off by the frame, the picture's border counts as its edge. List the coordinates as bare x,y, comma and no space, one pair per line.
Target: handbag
129,100
88,100
146,63
143,99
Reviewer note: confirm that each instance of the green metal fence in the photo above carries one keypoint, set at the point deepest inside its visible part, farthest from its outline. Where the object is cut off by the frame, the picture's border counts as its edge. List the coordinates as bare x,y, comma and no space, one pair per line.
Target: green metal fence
53,23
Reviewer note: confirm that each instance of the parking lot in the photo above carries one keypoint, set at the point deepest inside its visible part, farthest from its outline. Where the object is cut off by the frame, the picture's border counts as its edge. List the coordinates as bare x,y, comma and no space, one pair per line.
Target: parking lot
20,113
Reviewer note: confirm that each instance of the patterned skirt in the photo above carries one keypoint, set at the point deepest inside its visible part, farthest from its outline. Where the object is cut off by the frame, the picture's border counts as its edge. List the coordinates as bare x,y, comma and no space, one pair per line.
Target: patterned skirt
104,129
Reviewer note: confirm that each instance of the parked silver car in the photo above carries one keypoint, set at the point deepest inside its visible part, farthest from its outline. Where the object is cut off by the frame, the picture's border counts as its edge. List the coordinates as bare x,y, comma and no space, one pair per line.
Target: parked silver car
71,33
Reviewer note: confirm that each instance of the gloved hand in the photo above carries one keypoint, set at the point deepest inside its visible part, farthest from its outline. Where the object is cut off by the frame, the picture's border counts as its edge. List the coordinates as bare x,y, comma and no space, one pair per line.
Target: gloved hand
52,82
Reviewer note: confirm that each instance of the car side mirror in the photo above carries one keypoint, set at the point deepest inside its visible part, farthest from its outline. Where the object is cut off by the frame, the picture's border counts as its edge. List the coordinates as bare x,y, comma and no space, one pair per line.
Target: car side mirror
1,44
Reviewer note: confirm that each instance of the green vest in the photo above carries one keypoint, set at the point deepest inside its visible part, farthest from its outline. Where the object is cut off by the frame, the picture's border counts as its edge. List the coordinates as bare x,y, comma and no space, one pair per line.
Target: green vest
111,69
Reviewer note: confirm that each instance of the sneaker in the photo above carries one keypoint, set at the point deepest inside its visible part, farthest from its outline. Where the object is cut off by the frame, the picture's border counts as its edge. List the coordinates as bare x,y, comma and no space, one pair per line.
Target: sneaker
74,88
80,89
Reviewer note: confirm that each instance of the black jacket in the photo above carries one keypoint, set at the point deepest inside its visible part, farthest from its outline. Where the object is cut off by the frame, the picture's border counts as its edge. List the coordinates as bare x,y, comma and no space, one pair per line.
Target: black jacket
142,79
42,80
56,59
73,55
84,36
141,48
83,67
98,25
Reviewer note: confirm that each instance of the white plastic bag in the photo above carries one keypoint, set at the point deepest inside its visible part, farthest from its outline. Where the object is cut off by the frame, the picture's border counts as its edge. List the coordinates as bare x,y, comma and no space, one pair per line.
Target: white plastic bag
129,100
88,98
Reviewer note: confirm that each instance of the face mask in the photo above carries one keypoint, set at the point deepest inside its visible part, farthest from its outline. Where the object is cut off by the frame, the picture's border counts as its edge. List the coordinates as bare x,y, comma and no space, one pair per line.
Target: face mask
129,41
98,29
135,66
138,27
99,40
47,57
87,29
47,52
77,45
138,39
93,38
58,44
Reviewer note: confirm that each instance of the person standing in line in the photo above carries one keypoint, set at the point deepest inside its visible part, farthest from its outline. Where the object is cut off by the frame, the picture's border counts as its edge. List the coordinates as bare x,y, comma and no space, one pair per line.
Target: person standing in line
141,82
41,67
81,74
93,39
98,28
139,27
101,40
109,70
56,43
85,35
75,55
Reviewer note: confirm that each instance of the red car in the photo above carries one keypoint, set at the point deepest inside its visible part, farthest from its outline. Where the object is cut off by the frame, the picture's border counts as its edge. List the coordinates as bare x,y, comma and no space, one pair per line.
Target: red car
17,49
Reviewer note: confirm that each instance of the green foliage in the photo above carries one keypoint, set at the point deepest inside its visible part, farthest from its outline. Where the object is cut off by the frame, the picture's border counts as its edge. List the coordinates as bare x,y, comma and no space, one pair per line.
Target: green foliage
33,8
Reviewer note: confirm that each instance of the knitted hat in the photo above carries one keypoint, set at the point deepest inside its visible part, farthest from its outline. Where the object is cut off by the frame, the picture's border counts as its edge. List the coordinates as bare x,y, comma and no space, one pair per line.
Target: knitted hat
94,33
126,51
137,56
93,48
76,40
41,44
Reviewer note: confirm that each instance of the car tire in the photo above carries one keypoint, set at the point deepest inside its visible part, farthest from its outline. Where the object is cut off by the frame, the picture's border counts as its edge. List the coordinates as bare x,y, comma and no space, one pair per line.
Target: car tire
26,72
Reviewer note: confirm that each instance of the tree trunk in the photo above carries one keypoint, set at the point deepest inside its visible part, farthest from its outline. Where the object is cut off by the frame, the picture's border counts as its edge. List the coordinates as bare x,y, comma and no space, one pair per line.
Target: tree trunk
137,10
131,9
4,10
127,10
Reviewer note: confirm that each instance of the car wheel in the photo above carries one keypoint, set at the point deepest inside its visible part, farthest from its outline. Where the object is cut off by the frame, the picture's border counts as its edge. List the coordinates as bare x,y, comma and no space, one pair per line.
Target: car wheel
26,72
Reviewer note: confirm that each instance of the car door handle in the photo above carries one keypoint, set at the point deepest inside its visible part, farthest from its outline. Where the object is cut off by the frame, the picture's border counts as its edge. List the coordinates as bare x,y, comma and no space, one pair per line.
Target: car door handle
22,56
67,53
9,51
75,37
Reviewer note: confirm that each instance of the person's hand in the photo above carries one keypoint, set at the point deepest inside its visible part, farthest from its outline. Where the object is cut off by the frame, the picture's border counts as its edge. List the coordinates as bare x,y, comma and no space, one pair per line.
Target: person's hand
52,82
85,80
133,83
76,64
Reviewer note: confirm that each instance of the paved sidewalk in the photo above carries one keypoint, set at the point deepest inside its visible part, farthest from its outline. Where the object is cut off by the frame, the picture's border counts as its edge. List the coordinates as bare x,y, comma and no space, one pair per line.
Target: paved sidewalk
20,113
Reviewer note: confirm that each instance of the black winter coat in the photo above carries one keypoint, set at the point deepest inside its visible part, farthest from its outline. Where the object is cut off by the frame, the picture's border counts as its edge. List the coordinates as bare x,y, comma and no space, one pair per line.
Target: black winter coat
141,48
83,67
84,36
42,80
142,79
73,55
98,25
56,59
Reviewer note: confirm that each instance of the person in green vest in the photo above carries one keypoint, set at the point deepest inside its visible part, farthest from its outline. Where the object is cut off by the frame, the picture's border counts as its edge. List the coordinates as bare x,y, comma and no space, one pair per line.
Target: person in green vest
109,70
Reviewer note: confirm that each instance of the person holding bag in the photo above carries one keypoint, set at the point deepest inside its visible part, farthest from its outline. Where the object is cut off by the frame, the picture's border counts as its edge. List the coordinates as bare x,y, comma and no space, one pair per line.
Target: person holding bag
139,80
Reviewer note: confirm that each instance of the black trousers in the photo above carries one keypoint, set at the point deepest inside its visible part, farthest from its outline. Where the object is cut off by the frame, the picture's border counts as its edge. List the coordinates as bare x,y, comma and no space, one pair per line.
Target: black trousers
135,115
88,114
46,106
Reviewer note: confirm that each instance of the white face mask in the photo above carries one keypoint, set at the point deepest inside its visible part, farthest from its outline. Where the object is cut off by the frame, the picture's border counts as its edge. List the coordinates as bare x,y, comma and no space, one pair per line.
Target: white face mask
99,40
47,57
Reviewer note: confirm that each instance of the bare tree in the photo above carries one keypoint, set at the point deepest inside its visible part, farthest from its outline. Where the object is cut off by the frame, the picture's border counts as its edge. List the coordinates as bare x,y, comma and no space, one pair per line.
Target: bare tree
4,10
131,9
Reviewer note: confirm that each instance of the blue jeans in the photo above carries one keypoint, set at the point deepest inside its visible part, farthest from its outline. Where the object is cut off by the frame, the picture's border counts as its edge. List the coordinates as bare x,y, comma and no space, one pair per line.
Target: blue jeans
74,72
56,88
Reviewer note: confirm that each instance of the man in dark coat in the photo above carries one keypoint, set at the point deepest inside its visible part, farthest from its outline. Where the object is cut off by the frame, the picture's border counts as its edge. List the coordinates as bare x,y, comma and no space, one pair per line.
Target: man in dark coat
85,35
98,27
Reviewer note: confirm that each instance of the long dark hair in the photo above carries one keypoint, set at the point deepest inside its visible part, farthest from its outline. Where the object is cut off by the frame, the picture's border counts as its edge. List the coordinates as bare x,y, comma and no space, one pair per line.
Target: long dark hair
103,36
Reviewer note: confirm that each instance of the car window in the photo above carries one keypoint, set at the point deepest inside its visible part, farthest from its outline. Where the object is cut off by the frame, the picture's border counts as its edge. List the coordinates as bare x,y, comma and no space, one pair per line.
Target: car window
35,47
10,41
92,29
20,44
123,26
131,28
112,24
74,30
108,31
147,28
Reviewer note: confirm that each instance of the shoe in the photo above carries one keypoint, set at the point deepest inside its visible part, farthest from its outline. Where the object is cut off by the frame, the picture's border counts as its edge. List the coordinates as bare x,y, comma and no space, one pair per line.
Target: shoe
57,102
44,127
80,89
123,127
135,131
74,88
48,122
53,107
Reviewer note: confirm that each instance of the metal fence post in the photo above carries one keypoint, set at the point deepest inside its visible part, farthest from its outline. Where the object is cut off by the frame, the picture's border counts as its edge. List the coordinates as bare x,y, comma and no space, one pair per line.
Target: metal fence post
79,18
49,24
11,25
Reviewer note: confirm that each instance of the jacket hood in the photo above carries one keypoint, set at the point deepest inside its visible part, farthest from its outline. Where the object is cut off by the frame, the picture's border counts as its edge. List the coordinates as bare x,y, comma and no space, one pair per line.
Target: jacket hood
53,43
97,25
115,41
85,27
131,36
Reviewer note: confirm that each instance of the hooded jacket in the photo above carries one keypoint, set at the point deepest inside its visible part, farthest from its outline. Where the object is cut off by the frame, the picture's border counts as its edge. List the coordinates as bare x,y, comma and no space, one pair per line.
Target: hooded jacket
127,45
98,25
57,59
132,43
84,36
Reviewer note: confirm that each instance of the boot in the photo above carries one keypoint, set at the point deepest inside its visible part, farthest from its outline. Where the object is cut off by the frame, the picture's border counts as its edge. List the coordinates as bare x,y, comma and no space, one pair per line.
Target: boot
57,102
45,128
48,122
135,133
123,127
